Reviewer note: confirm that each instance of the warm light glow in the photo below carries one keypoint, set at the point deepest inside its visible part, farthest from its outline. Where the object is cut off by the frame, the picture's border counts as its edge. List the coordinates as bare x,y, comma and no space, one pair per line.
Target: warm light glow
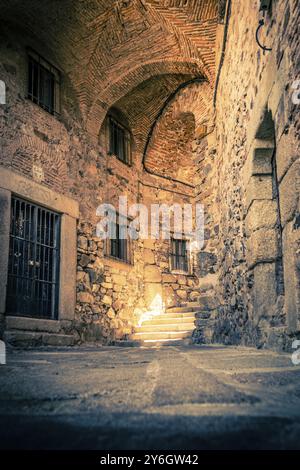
156,308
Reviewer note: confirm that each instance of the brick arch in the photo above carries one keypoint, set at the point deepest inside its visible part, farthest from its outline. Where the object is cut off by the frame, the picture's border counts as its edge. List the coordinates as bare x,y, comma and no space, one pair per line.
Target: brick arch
108,48
168,151
123,85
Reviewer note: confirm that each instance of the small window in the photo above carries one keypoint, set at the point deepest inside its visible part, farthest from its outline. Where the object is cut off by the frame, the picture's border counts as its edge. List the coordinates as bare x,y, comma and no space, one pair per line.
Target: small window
120,246
119,141
179,255
43,83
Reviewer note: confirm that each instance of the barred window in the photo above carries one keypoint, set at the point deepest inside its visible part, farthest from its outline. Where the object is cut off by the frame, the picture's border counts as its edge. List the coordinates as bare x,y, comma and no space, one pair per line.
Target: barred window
43,83
119,247
179,255
119,141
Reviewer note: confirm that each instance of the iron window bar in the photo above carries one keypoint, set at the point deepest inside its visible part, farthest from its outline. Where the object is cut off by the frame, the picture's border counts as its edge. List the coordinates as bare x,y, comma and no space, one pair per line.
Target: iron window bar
179,255
43,83
33,271
119,141
120,248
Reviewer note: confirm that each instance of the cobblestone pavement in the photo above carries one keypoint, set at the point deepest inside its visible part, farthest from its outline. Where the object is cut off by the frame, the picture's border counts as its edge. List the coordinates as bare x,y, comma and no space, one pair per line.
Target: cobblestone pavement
170,398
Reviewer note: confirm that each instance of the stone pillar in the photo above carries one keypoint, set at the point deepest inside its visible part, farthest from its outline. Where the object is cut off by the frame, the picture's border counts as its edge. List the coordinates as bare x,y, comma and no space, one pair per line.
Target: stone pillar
261,228
67,296
5,203
290,214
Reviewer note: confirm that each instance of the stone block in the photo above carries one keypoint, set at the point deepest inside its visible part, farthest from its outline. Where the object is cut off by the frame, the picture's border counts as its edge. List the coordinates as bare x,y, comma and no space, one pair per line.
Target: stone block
168,278
153,296
148,256
258,160
286,153
107,285
291,243
262,247
259,188
111,313
119,279
85,298
152,274
207,263
107,300
5,198
261,214
181,280
169,297
182,294
149,244
68,248
193,296
262,161
82,243
264,292
289,190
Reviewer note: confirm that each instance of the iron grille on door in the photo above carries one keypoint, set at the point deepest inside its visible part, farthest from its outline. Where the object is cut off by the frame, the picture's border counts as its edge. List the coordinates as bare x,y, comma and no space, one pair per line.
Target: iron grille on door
33,269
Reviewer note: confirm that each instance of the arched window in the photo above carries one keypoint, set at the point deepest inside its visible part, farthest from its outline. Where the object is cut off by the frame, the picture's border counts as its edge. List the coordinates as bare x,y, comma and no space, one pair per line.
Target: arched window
119,137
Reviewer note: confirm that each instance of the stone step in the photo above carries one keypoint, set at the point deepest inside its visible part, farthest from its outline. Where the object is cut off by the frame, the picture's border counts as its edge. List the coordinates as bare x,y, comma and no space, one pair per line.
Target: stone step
166,327
153,343
170,319
205,302
183,310
21,338
195,303
125,343
157,335
32,324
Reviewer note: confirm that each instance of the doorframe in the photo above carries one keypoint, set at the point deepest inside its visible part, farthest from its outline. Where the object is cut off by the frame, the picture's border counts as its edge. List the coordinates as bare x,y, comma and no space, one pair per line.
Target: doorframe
12,183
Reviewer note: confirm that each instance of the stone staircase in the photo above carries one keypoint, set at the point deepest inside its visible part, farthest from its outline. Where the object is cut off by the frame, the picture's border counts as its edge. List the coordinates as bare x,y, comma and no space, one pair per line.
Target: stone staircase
176,326
172,327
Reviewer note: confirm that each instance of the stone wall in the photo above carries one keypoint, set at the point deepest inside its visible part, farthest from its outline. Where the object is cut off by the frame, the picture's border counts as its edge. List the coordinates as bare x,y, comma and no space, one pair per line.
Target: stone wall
238,157
254,94
58,153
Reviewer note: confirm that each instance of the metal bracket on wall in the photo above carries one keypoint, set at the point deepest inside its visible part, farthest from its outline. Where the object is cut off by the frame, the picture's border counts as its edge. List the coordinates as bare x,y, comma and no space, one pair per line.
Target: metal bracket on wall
265,5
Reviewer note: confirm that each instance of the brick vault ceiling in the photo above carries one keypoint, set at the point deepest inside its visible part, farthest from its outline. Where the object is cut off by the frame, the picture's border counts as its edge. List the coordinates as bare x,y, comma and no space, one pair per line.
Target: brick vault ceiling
109,47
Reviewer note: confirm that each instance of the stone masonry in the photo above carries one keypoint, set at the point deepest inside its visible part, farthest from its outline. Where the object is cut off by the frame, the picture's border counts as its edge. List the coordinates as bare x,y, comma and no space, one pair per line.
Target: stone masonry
212,120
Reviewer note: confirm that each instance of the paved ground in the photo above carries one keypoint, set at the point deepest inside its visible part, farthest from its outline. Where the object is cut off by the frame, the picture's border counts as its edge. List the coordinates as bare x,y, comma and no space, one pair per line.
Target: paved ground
169,398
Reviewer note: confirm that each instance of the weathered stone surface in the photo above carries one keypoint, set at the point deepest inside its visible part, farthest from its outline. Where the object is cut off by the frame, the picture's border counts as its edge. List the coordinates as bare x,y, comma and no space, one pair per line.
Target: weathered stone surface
264,293
207,145
152,274
153,295
111,313
207,263
262,214
85,297
84,260
107,300
182,294
259,188
119,279
262,247
148,256
168,278
289,193
291,245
